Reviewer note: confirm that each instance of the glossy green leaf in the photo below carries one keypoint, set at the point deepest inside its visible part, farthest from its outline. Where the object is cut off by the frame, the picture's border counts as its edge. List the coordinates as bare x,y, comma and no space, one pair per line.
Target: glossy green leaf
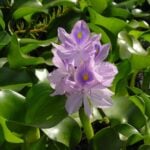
98,5
139,62
130,134
3,60
44,110
12,105
138,102
8,135
129,45
118,12
27,8
134,139
146,36
114,25
17,59
15,78
129,113
146,100
67,127
138,24
126,130
106,138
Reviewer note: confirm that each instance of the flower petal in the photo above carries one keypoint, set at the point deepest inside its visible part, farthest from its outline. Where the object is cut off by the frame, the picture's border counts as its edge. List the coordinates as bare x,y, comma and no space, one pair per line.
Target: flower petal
107,71
80,32
101,97
74,102
102,52
87,106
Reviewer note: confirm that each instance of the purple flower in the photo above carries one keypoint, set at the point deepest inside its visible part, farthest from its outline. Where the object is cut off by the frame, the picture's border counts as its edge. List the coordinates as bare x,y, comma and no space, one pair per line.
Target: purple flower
91,82
81,74
78,45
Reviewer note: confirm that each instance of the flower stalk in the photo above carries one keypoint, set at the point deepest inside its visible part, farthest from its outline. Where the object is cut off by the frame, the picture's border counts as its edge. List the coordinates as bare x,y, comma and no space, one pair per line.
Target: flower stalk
86,123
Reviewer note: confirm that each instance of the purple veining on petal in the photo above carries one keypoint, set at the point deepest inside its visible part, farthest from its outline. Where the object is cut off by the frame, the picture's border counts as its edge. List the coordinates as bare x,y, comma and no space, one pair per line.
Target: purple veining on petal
101,52
84,74
80,32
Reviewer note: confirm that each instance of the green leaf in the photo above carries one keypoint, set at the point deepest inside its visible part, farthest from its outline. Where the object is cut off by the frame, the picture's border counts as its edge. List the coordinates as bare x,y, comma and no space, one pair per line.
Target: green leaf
68,3
99,30
16,78
130,134
8,135
31,44
44,110
124,69
38,145
27,8
126,130
67,132
2,23
146,99
144,147
134,139
138,102
17,59
12,105
138,24
129,45
114,25
139,62
129,113
146,36
98,5
118,12
4,38
106,138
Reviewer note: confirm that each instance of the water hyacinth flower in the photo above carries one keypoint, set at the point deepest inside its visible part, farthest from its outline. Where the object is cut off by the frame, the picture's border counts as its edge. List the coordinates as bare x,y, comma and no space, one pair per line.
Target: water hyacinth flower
82,73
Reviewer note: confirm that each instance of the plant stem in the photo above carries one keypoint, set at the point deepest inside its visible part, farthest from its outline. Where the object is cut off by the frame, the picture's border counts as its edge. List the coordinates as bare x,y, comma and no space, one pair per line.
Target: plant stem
85,120
105,118
132,83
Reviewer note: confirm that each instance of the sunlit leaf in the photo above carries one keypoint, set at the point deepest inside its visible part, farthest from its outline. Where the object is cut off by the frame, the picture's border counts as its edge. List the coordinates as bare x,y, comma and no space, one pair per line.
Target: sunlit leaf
67,127
138,102
8,135
44,110
27,8
129,45
139,62
99,6
17,59
106,138
114,25
12,105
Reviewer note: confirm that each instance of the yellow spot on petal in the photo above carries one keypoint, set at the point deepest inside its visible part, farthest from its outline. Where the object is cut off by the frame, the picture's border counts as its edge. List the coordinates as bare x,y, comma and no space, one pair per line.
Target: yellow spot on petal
79,35
85,77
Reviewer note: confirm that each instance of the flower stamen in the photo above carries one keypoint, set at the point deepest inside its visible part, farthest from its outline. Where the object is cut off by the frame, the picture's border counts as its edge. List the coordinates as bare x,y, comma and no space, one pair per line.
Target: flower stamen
79,35
85,77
